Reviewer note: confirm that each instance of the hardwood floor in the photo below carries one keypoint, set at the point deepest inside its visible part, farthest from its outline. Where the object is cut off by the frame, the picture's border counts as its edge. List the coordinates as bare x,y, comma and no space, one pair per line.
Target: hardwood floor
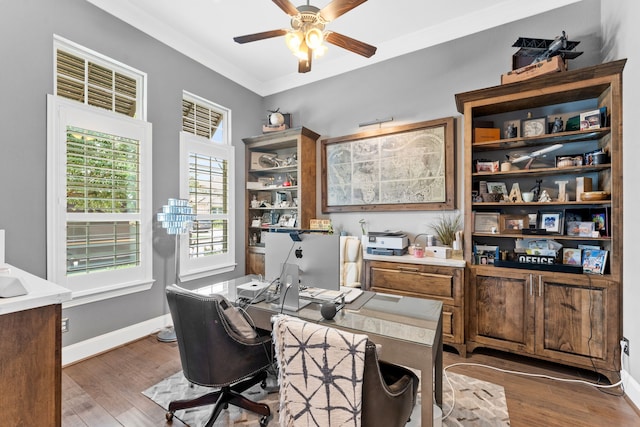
106,390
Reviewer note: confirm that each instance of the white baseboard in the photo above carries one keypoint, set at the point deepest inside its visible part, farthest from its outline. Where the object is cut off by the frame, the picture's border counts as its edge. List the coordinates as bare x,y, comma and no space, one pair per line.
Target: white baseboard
96,345
631,388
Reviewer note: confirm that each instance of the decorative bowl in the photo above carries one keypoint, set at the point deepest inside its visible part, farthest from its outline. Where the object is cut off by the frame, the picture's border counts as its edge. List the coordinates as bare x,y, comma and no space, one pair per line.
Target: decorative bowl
590,196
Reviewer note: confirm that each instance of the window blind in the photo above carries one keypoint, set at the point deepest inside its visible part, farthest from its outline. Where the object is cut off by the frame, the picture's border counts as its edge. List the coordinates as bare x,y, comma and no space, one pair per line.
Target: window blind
199,119
102,178
94,84
208,187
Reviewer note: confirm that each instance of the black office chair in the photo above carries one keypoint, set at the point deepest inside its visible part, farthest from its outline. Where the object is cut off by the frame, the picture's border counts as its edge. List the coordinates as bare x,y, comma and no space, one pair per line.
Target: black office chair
388,391
216,351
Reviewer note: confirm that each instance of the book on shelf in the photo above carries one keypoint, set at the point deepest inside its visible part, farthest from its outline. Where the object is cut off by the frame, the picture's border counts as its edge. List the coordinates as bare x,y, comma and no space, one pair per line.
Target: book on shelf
594,261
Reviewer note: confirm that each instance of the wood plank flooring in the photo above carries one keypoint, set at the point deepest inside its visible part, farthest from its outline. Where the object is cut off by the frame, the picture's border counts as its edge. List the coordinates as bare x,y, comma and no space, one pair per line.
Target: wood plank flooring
106,390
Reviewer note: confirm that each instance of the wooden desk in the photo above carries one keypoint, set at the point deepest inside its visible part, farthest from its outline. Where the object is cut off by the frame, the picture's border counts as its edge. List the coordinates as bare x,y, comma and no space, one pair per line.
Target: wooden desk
408,329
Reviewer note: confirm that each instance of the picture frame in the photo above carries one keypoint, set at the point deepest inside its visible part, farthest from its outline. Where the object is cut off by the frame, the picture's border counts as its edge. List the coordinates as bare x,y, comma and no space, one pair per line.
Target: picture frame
590,120
600,217
510,129
572,256
406,167
485,254
580,228
486,222
551,221
534,127
497,187
513,223
594,261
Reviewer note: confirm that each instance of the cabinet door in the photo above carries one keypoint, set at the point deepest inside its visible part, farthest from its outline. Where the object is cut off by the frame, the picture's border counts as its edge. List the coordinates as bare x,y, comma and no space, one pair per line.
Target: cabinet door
255,263
574,316
501,309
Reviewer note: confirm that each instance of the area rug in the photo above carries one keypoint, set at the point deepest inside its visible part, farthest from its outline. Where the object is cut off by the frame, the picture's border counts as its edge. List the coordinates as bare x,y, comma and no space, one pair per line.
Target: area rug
478,403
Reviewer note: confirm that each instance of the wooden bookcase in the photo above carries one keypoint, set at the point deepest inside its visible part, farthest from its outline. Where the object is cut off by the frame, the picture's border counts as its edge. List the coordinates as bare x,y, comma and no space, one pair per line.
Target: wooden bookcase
287,174
568,317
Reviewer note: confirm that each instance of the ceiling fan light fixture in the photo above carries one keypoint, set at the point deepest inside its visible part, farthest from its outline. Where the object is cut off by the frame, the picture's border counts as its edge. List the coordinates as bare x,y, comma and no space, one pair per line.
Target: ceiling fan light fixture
320,51
303,52
293,39
314,38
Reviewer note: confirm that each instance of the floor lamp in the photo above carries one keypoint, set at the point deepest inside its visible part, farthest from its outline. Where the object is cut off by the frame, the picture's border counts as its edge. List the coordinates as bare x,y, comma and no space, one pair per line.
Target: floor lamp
176,218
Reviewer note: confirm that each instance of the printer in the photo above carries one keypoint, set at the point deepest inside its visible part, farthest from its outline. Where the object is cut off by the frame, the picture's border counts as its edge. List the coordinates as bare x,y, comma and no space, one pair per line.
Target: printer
386,243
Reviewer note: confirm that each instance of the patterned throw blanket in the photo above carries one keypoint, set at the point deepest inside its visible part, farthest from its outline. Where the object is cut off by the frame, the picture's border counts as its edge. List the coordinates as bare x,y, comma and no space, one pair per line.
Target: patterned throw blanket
320,374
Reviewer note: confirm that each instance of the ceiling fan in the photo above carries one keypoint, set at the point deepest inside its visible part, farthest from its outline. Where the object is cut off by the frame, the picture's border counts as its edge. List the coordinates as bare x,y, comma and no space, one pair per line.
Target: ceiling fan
307,33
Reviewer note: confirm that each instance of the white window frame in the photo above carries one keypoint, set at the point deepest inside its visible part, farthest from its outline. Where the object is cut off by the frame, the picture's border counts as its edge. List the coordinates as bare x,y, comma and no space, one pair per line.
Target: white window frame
196,268
104,284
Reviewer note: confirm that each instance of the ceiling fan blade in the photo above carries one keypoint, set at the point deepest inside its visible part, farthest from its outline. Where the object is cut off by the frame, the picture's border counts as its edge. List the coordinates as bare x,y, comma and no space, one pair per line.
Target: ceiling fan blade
338,8
259,36
350,44
287,6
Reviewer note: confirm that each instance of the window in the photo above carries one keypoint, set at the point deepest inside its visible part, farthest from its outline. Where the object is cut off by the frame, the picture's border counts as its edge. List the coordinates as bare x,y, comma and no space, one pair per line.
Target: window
206,173
99,219
93,79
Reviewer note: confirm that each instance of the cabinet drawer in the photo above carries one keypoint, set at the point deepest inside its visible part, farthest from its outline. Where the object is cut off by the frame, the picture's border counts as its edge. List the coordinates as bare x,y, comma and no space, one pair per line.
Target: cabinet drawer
413,282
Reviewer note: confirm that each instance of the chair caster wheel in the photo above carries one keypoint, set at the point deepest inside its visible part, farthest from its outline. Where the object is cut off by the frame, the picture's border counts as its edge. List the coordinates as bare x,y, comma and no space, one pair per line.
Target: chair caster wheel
263,384
169,416
264,421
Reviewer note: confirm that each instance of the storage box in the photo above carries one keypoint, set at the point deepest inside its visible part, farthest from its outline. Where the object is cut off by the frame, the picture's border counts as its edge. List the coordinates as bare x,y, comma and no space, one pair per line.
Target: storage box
551,65
486,134
437,251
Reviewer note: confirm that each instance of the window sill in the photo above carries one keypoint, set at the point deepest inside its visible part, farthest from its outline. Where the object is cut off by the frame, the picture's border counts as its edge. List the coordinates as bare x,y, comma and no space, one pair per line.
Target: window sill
206,272
107,292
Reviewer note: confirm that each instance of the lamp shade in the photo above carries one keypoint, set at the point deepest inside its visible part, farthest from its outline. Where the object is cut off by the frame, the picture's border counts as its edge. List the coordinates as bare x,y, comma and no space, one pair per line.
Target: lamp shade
177,216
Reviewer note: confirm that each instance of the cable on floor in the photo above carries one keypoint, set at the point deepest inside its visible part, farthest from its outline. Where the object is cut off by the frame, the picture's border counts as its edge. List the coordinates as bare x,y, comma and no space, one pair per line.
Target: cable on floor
525,374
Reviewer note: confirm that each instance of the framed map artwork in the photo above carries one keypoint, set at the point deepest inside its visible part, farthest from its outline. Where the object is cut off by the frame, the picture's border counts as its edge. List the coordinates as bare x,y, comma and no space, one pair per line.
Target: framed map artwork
407,167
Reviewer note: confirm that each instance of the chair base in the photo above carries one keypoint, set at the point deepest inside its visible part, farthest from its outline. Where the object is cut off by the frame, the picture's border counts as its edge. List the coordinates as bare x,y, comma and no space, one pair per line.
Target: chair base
227,395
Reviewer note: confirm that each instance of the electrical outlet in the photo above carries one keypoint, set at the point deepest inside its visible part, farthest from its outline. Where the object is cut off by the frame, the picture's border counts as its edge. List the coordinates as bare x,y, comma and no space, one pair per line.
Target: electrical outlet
626,345
65,325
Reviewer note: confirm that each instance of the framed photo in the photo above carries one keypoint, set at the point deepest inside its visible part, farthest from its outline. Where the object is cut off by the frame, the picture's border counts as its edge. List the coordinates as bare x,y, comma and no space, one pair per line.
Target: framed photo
600,217
580,228
513,223
497,187
485,254
550,221
572,256
486,222
590,120
594,261
534,127
510,129
533,220
406,167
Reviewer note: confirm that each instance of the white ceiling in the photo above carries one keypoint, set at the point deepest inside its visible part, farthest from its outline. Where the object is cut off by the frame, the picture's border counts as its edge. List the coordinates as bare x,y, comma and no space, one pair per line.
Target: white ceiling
204,31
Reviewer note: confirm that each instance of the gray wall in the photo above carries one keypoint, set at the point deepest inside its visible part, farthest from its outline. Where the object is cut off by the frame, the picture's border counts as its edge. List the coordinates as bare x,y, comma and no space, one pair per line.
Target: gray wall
421,86
26,31
620,34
